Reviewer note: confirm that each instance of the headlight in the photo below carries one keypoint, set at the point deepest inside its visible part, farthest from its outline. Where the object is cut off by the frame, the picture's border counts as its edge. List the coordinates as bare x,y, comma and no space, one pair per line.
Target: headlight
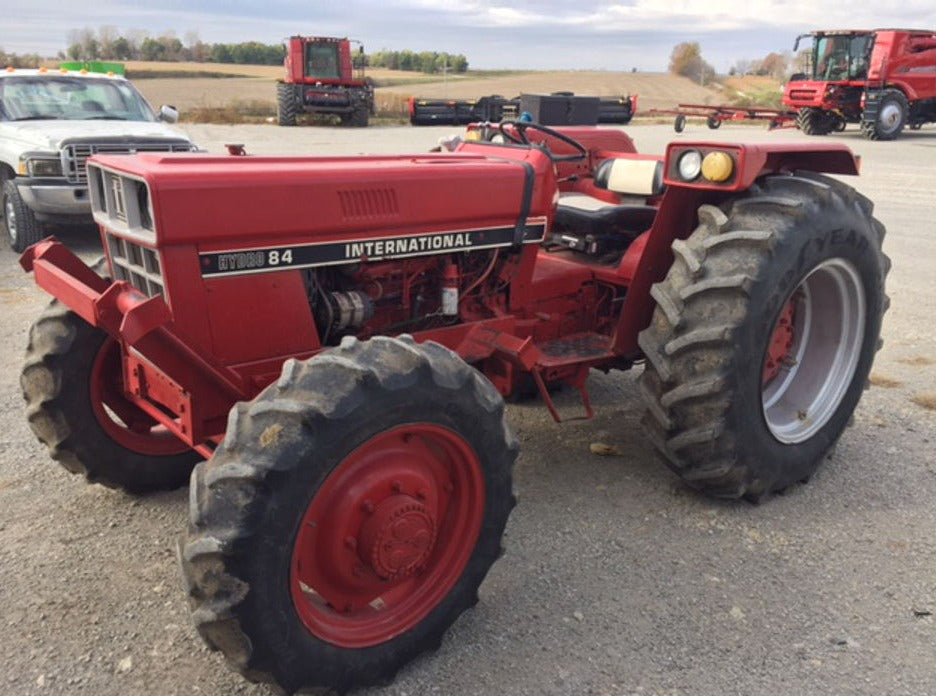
41,167
689,165
717,166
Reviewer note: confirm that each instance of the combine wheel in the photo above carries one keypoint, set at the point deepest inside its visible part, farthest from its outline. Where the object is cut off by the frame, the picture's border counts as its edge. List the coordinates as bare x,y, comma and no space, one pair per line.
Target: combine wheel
359,118
890,119
713,122
350,514
23,229
764,334
814,122
75,405
679,123
286,107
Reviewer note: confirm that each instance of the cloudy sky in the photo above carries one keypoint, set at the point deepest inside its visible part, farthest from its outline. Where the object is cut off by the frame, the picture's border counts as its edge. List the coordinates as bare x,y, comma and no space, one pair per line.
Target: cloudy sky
540,34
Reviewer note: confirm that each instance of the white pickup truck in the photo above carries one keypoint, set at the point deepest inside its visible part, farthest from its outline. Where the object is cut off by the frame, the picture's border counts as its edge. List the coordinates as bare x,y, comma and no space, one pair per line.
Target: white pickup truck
51,121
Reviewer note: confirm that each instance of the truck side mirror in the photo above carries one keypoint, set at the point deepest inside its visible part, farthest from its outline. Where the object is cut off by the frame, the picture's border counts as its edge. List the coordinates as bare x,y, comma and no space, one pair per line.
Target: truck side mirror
168,114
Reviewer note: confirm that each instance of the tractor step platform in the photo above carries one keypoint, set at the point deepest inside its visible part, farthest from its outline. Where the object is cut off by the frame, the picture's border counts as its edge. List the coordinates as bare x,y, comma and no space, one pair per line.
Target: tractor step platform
574,349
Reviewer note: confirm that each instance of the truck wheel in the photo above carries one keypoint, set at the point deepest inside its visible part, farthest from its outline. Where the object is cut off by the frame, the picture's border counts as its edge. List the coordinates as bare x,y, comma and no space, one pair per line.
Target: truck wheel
679,123
713,122
23,229
285,104
71,383
891,116
763,335
350,514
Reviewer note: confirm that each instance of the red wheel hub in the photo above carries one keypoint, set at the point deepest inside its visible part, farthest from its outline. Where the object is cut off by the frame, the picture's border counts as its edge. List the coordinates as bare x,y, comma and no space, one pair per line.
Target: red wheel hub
398,537
123,422
781,342
387,535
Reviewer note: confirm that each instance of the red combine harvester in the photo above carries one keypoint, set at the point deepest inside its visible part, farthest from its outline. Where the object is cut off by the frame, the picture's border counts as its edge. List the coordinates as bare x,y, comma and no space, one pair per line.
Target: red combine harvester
324,77
882,79
335,338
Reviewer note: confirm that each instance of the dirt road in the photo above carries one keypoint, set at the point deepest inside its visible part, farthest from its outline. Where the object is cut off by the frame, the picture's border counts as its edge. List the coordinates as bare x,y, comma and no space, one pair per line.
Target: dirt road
616,580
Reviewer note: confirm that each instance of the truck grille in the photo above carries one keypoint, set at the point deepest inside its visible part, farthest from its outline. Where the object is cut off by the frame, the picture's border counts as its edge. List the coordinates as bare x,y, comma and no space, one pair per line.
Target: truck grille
136,264
74,155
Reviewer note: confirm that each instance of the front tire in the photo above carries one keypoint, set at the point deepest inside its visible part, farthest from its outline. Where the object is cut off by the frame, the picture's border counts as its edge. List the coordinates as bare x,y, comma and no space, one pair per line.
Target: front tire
72,385
350,514
22,227
763,336
813,121
286,107
359,118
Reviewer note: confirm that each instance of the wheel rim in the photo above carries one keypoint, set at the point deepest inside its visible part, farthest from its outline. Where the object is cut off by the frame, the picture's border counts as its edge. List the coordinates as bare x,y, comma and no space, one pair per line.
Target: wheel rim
9,215
891,116
813,351
387,536
120,419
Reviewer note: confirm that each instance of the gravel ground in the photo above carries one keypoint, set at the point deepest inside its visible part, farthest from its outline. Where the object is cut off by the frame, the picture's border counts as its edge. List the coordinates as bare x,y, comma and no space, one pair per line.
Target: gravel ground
616,580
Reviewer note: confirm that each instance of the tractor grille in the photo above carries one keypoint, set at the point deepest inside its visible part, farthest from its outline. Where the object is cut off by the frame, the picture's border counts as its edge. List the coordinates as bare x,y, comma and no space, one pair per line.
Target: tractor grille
136,264
122,204
74,155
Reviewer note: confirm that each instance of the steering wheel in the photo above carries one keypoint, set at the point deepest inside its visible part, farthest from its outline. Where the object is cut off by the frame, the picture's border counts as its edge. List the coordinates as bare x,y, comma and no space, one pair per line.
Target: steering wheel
521,138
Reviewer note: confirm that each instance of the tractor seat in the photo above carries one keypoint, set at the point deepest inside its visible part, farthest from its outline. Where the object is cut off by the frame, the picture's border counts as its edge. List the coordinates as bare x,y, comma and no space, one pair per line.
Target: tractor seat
580,216
579,213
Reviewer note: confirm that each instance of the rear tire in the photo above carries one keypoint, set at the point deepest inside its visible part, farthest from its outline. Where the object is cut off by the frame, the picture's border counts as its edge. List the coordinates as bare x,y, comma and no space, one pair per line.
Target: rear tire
763,336
679,123
67,381
286,107
713,122
350,514
888,121
22,227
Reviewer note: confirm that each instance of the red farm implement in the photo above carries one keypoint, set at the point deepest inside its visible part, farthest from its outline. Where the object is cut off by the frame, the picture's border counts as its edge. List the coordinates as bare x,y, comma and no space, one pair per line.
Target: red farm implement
335,336
715,115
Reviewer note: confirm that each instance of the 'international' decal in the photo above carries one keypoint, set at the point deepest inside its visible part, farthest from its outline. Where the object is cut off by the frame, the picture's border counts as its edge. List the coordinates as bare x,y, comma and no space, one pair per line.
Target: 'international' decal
261,260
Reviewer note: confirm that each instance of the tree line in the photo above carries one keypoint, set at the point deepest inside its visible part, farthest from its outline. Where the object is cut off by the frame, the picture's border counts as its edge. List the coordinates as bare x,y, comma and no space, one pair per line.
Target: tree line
426,61
686,60
108,44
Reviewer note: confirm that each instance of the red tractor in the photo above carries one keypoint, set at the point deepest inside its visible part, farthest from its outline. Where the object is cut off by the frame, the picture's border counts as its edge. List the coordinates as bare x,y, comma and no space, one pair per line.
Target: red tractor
882,79
335,337
324,76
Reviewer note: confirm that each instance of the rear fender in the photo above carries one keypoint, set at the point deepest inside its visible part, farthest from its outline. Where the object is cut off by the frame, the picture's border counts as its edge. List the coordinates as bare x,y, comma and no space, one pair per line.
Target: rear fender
751,161
649,258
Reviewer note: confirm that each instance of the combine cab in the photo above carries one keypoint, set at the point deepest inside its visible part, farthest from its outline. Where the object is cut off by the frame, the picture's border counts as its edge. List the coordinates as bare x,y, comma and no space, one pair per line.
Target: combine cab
883,80
324,77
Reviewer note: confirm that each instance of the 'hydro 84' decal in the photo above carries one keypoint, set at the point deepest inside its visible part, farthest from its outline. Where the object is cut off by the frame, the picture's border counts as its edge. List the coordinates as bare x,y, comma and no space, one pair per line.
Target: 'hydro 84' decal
259,260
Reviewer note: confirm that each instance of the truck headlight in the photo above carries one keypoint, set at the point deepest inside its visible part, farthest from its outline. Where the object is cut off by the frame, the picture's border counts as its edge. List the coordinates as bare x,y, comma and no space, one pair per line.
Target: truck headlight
41,167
